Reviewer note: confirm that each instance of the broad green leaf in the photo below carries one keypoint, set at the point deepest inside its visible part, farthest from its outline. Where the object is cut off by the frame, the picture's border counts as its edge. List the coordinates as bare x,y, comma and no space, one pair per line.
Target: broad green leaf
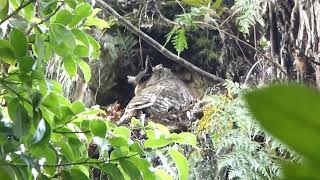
94,48
81,36
85,68
181,164
82,11
18,42
130,169
112,171
299,171
100,23
66,150
49,153
7,173
62,40
39,47
48,6
162,175
51,102
6,52
40,131
145,167
185,138
4,7
65,115
70,66
156,143
25,64
122,132
63,17
19,116
285,110
72,3
81,51
77,174
98,128
120,136
77,107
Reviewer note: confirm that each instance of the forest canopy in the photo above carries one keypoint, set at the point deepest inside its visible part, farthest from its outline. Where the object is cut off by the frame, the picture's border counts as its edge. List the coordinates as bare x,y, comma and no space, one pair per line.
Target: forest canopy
150,89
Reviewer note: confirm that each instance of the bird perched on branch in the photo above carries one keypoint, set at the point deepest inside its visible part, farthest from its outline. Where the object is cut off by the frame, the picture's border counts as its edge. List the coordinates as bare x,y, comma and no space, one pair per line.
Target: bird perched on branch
157,92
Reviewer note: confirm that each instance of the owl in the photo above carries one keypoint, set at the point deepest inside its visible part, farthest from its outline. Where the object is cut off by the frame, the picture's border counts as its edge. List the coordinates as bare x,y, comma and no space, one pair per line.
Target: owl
157,92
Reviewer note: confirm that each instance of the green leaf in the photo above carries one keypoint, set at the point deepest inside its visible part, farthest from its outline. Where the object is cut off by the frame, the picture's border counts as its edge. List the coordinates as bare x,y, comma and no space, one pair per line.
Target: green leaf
130,169
70,66
162,175
112,171
299,171
63,17
48,6
185,138
81,36
98,128
4,7
100,23
82,11
156,143
285,110
25,64
77,107
145,167
19,115
181,163
72,3
18,42
94,48
85,68
77,174
7,173
40,131
62,40
39,47
6,52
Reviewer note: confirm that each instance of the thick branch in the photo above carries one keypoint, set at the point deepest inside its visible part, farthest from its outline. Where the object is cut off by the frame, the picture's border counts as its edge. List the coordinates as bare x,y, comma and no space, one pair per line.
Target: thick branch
155,44
16,11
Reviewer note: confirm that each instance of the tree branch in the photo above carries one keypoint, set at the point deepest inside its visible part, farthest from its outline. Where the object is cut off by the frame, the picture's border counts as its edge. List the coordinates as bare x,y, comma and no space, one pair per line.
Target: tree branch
46,19
108,9
16,11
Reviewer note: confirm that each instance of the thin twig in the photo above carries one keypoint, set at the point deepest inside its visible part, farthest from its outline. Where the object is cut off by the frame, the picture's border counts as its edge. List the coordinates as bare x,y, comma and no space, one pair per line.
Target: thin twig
17,10
86,162
70,132
46,19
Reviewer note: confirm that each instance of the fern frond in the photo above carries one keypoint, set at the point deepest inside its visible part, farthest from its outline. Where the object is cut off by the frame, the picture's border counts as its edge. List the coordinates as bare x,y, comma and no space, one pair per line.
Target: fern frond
249,12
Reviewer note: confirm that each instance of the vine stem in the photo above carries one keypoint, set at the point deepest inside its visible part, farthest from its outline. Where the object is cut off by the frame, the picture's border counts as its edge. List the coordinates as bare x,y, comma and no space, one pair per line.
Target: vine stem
22,5
108,9
86,162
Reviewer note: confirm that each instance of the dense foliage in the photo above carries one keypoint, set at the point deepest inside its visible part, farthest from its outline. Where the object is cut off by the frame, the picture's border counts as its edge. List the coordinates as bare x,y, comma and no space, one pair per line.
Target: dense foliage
241,149
45,136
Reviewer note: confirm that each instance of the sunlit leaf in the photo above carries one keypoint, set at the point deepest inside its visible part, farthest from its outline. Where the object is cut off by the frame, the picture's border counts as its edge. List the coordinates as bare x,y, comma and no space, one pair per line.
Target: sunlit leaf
181,164
98,128
62,40
85,68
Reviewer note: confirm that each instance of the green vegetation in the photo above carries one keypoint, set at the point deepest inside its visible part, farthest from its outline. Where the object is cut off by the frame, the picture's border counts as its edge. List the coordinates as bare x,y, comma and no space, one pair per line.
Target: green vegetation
43,134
